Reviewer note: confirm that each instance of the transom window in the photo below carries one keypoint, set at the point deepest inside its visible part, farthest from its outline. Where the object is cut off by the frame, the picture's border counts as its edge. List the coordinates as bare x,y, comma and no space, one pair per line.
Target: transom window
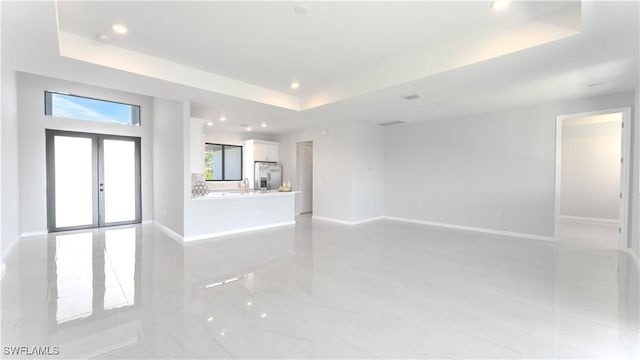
223,162
84,108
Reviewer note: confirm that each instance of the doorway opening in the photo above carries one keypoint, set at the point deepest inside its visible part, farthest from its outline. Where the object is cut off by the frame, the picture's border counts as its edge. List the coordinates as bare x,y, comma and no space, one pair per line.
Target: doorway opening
93,180
592,178
304,166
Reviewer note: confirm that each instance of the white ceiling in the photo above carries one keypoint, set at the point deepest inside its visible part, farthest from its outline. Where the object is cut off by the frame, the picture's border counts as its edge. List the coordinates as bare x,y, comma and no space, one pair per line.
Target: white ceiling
358,58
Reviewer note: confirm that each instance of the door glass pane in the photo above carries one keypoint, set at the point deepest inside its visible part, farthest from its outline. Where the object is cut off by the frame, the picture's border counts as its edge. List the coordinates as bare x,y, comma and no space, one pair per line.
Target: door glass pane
73,181
232,162
119,181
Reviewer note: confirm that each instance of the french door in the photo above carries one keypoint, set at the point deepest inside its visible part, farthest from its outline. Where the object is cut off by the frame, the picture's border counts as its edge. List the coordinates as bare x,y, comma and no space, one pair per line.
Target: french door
93,180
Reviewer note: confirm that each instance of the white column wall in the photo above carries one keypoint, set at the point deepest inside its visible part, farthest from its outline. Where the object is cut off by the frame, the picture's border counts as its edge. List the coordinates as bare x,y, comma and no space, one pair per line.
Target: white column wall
169,167
10,209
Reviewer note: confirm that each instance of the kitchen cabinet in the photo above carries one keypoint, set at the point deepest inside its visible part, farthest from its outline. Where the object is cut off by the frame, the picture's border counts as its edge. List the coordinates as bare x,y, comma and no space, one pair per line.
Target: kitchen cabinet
265,151
197,146
258,150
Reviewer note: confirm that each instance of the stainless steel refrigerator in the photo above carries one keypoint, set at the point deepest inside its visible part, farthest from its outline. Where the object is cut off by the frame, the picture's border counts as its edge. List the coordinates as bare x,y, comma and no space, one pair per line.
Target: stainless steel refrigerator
267,175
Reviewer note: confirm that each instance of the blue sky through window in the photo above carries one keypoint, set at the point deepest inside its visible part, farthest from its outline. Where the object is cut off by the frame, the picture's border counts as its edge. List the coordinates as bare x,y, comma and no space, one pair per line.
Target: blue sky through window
75,107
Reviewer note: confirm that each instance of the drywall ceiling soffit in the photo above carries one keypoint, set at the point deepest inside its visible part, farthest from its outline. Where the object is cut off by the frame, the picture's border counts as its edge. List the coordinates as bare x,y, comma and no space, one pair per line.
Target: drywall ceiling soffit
338,50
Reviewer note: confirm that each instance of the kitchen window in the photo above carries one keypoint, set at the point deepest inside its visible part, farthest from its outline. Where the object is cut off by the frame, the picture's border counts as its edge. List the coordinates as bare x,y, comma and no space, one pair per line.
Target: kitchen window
85,108
223,162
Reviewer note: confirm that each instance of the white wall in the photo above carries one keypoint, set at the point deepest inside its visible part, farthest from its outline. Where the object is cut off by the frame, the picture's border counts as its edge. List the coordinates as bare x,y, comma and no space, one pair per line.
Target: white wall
493,171
169,167
332,162
590,162
331,168
10,213
368,172
32,125
347,169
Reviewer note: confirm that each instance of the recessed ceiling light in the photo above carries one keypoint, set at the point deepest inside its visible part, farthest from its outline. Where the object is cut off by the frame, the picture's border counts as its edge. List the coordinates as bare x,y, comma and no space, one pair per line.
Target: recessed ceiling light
223,119
249,128
300,9
210,123
499,4
119,29
264,125
295,85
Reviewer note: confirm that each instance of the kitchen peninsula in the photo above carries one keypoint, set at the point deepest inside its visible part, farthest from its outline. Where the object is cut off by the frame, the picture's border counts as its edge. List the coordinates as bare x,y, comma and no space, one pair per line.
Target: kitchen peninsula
245,207
230,212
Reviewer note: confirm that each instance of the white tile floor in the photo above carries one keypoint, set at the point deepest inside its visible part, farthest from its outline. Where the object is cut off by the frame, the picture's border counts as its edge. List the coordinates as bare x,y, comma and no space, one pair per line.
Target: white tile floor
381,290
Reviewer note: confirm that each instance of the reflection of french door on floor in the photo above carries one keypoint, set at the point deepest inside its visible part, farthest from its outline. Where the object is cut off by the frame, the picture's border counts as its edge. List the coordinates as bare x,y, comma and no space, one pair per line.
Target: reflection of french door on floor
93,180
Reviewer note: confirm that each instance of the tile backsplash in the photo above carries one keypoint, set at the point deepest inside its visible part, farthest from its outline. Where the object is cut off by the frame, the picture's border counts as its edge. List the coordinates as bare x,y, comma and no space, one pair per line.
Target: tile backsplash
216,185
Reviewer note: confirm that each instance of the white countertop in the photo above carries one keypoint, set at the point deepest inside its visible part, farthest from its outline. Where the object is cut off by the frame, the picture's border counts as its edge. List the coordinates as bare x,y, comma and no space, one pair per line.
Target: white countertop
242,194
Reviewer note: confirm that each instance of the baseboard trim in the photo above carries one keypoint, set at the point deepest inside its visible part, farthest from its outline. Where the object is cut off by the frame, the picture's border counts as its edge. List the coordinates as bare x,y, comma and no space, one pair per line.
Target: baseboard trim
33,233
473,229
336,221
589,220
634,256
172,234
344,222
237,231
145,222
358,222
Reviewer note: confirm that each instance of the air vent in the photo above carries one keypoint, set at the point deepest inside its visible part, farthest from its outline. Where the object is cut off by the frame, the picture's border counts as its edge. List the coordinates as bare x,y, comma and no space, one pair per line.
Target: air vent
411,97
391,123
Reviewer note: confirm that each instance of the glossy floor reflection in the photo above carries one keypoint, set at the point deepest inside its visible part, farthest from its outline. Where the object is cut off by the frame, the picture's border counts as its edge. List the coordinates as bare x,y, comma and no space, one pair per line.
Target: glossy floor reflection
380,290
